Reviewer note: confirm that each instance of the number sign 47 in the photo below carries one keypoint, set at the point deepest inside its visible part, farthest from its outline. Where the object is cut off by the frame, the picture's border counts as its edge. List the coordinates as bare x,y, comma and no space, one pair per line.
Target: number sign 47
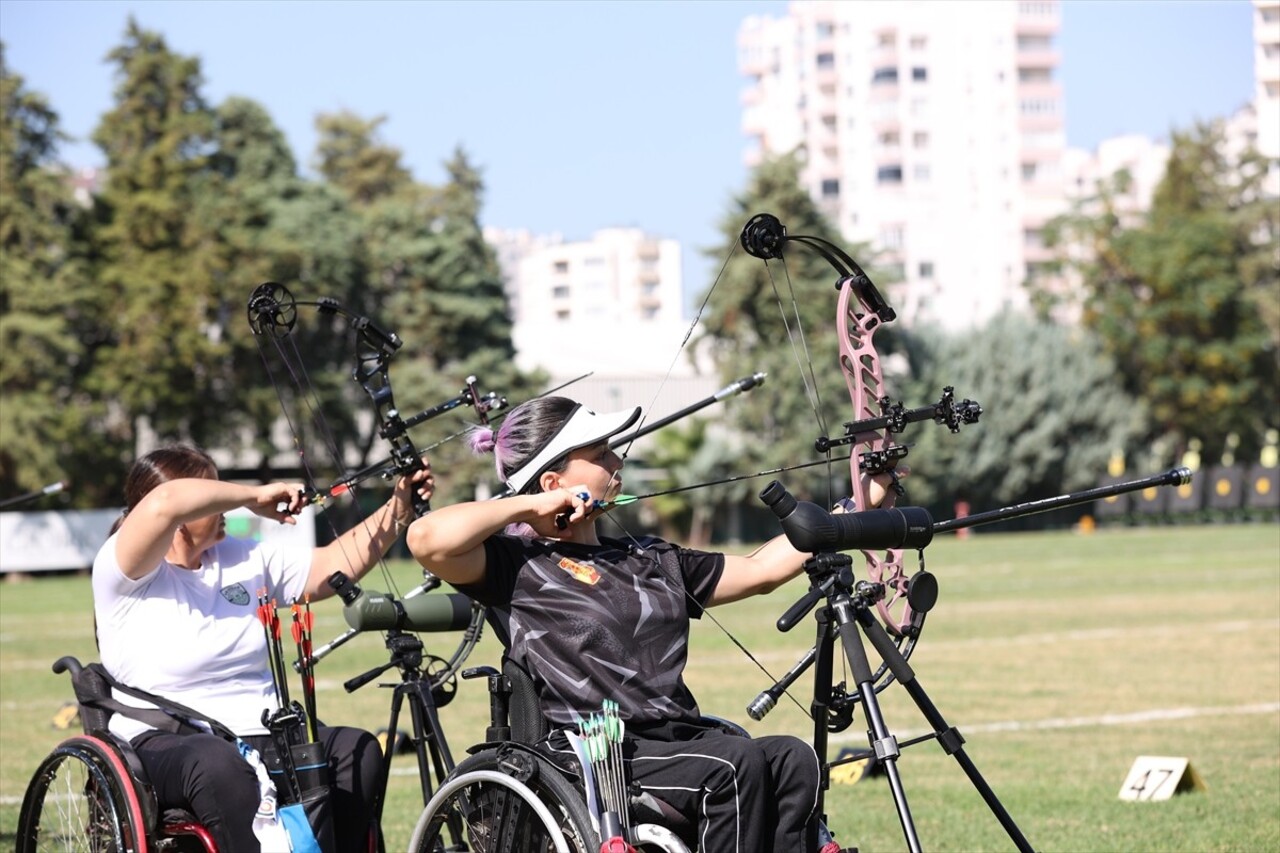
1159,777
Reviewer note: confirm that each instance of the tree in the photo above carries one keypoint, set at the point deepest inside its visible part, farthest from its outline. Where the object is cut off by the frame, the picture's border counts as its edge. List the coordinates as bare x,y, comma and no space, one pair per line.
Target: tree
744,319
163,357
427,266
1053,413
46,306
1185,301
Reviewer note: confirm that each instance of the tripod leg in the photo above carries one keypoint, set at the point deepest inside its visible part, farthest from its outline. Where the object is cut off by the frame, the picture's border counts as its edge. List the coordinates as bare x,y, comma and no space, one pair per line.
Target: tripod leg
428,735
883,743
949,738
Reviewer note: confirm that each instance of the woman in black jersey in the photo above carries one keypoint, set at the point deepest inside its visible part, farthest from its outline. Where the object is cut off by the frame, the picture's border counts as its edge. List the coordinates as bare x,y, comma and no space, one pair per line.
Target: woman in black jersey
594,618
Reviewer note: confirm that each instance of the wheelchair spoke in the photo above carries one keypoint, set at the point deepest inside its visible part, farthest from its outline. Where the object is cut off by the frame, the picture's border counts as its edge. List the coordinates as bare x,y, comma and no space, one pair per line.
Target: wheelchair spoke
75,802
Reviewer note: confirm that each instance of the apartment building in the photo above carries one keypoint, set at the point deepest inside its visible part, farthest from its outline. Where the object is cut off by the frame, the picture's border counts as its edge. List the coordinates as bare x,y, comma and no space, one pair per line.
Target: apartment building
1266,75
933,131
1144,160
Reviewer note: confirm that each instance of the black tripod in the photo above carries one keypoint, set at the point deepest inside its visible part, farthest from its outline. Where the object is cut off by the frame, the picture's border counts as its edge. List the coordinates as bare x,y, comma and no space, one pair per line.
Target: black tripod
848,609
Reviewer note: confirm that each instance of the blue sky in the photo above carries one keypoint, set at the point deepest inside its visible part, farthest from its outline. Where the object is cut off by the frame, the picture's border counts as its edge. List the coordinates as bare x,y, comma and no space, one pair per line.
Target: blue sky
582,115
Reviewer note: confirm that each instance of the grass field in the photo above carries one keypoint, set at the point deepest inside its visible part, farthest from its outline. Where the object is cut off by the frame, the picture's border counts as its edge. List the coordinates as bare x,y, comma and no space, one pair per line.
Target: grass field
1061,657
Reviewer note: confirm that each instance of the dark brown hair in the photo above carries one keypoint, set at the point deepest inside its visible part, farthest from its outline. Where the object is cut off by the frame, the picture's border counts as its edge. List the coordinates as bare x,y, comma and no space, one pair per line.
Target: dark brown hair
160,466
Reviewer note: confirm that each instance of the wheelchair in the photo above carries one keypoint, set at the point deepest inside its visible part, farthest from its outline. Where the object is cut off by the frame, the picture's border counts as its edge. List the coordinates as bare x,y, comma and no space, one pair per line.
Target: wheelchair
511,794
91,793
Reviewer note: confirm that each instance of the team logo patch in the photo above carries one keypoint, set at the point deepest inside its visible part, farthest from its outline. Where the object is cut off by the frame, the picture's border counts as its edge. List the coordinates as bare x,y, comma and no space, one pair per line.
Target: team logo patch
236,594
580,571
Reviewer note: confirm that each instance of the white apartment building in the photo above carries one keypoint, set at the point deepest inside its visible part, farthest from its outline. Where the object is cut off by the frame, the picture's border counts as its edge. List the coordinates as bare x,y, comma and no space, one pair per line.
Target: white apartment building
612,305
1143,158
932,130
1266,75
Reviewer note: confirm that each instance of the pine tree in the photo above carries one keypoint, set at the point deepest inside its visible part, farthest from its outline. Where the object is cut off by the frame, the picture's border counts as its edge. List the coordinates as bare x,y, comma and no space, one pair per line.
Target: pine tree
158,259
46,307
1053,413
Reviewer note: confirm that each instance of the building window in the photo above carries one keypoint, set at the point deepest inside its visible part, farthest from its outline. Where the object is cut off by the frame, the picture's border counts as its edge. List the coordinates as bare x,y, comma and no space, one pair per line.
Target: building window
921,172
826,61
831,188
562,313
1037,9
889,139
1035,75
918,42
1035,44
824,29
891,237
1032,238
889,174
926,269
560,266
1028,171
920,139
919,74
887,39
1038,106
885,75
560,291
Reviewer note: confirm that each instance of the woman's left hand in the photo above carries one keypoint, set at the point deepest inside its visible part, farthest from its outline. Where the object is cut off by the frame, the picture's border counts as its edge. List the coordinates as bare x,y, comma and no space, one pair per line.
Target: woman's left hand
422,481
881,483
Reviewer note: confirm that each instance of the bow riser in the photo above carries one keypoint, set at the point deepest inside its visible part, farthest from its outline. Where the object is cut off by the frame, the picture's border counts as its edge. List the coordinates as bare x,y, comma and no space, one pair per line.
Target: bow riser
860,363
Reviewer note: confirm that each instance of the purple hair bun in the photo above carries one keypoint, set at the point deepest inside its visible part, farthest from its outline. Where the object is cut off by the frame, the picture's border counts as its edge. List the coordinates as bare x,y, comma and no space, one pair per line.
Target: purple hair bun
481,439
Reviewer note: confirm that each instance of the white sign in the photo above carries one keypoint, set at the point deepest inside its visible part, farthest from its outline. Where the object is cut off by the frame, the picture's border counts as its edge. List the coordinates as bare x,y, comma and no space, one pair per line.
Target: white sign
69,539
1159,777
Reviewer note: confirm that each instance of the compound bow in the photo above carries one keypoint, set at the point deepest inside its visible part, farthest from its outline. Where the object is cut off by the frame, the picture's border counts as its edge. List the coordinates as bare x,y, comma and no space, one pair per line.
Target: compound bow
273,315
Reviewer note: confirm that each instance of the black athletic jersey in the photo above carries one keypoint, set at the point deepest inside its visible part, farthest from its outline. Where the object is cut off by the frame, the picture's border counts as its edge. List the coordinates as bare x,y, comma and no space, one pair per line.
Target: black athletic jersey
591,623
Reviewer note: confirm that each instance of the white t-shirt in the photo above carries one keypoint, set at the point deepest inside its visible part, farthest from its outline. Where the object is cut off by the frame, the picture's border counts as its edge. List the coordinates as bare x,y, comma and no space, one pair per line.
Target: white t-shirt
193,636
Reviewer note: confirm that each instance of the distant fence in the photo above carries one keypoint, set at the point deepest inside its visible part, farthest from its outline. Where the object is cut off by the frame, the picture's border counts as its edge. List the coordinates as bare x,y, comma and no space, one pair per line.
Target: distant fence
69,539
1218,491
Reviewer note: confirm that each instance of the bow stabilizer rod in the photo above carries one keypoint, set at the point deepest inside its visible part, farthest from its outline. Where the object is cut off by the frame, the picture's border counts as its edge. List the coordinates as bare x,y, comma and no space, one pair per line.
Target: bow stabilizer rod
1172,477
738,386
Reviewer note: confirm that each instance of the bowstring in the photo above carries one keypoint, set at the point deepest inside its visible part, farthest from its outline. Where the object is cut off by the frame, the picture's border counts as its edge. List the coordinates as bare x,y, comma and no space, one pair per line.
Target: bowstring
310,400
627,535
813,392
697,317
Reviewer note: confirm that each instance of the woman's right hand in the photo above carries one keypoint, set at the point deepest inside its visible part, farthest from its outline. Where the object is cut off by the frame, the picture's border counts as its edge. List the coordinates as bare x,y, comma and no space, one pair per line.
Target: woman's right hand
561,508
278,501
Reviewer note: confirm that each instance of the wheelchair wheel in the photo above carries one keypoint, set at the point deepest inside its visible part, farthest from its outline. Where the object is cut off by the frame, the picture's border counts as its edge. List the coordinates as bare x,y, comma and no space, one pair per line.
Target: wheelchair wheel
81,799
505,801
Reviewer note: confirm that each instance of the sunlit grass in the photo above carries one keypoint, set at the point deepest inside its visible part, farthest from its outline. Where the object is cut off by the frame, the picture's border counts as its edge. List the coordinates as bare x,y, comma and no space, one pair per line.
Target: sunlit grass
1060,657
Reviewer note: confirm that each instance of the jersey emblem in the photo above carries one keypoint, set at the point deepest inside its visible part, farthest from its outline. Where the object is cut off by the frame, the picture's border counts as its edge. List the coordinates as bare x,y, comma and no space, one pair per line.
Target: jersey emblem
580,571
236,594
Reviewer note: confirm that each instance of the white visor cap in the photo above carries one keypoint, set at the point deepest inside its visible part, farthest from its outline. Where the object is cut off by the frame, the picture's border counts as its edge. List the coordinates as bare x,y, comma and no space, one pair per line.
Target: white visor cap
582,428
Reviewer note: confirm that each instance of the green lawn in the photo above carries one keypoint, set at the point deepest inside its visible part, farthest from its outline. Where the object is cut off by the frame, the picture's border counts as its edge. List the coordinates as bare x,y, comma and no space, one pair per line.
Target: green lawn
1061,657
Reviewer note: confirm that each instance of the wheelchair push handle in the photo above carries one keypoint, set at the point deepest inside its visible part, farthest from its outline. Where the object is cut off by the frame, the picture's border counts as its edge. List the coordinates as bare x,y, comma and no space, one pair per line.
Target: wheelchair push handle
67,663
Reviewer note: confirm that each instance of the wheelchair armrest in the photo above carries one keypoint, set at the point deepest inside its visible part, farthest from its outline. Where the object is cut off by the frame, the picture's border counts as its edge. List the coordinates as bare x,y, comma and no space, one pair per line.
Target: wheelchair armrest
726,725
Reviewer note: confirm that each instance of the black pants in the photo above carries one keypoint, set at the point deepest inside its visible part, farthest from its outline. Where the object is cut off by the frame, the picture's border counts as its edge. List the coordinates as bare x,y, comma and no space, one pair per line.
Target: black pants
746,795
206,775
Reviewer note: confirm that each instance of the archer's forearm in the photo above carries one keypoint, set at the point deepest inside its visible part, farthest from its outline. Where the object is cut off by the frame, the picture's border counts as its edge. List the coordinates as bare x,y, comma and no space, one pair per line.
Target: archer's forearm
357,551
455,530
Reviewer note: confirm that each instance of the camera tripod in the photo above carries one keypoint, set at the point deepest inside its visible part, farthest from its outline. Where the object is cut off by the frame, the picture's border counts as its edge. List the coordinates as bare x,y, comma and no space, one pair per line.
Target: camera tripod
847,612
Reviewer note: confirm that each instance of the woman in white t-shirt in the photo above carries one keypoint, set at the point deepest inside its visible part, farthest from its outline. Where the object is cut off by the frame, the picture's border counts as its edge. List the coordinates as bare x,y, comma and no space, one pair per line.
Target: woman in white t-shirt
175,602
